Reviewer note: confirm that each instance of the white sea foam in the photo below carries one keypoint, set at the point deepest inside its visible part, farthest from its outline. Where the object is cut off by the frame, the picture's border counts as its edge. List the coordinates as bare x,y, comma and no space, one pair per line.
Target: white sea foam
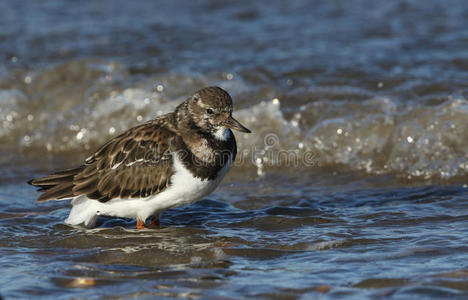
378,135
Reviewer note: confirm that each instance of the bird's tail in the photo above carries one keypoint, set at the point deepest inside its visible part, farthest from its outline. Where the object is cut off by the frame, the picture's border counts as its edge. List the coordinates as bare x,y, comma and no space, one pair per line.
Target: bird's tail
57,186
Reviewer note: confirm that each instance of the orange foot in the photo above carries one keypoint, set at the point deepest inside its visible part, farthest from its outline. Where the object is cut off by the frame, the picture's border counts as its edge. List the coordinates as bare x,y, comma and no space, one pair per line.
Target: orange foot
140,224
154,222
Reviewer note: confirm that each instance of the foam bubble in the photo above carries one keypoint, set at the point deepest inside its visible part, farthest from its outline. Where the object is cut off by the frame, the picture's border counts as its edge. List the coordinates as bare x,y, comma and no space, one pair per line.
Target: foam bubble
378,135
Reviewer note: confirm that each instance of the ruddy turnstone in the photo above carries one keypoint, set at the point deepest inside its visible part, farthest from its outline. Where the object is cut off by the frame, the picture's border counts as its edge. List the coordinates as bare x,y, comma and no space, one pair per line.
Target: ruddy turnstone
176,159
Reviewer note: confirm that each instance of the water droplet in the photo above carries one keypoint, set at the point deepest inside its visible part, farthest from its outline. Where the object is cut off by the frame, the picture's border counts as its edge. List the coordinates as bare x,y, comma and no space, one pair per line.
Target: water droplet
79,135
339,131
139,118
276,101
27,79
160,88
380,85
409,139
14,59
30,117
111,130
74,127
229,76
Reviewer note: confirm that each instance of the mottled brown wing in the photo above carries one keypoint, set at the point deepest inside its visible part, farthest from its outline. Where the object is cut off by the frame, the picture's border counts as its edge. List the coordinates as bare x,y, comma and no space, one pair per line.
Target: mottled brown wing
135,164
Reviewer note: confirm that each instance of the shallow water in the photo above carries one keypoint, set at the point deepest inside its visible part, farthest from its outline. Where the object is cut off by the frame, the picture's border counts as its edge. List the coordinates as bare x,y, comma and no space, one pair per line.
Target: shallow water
352,185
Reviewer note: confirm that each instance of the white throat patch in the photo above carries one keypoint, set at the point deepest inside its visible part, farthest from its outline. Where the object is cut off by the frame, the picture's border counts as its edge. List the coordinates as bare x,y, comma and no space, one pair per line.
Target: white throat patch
222,134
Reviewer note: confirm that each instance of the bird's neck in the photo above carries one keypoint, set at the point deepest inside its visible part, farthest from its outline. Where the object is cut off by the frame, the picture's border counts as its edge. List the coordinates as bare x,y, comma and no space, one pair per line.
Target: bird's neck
183,118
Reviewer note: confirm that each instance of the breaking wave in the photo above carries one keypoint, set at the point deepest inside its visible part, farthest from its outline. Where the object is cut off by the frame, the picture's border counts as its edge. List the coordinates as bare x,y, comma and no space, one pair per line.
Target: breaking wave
77,106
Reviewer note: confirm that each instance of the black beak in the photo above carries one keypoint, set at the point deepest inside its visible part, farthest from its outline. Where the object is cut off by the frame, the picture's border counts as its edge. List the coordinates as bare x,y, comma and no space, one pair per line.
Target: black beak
234,124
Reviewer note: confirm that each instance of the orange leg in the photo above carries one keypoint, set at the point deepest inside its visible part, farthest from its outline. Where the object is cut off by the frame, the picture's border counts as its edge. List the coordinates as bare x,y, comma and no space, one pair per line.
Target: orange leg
140,224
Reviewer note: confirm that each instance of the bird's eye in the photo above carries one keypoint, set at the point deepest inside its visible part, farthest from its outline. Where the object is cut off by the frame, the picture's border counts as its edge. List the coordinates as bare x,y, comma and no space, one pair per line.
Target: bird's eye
209,111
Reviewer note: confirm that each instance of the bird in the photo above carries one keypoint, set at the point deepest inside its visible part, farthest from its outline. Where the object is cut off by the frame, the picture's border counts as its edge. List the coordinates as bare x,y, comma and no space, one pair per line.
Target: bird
175,159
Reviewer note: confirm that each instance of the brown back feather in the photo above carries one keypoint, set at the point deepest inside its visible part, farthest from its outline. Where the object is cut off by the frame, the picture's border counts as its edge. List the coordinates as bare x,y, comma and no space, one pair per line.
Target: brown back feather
135,164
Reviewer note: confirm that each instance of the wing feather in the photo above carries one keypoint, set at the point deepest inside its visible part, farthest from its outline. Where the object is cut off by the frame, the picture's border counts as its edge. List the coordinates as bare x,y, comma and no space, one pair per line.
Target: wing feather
135,164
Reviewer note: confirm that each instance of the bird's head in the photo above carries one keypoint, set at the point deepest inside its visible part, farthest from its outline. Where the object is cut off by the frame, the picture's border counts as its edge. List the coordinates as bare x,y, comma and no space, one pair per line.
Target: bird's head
211,110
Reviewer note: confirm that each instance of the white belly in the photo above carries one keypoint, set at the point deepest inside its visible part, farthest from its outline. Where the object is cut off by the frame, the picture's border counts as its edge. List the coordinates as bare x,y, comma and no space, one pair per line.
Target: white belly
184,189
